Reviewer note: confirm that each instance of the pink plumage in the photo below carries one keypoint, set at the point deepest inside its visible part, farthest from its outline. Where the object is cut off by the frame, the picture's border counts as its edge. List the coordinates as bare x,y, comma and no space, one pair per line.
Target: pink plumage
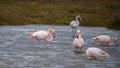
43,35
105,40
95,53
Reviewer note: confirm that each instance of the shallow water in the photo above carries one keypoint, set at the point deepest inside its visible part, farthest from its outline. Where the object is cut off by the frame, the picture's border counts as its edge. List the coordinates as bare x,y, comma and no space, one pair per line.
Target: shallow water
16,50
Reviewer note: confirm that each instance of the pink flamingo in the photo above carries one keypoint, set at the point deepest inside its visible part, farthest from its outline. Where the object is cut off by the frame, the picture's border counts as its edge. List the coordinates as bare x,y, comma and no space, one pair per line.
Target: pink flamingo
95,53
105,40
78,41
43,35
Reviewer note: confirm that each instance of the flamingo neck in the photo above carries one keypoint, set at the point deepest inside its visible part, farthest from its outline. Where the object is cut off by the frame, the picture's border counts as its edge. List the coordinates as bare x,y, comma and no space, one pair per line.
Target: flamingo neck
77,21
115,40
111,40
49,38
79,34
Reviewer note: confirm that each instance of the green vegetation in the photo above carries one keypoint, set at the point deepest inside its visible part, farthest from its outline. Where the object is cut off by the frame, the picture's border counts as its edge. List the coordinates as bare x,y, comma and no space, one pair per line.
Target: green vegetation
105,13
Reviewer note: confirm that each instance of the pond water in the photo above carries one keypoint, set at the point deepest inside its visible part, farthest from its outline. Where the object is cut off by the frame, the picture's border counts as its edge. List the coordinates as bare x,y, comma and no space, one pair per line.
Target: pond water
16,50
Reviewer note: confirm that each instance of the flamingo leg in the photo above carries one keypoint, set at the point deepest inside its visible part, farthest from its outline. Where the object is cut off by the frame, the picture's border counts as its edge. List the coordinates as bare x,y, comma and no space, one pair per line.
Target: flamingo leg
81,50
36,43
73,32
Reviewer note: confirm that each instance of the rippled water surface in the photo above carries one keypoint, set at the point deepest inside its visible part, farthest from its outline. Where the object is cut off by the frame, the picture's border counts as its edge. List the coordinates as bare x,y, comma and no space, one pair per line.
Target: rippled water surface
16,50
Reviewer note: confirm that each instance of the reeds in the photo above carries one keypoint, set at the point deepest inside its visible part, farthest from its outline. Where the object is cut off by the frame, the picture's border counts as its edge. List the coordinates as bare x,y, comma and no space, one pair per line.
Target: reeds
59,12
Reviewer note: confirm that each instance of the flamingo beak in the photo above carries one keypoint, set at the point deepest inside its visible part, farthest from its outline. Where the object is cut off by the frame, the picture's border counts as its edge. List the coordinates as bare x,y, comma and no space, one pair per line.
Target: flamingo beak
93,39
54,34
30,36
77,36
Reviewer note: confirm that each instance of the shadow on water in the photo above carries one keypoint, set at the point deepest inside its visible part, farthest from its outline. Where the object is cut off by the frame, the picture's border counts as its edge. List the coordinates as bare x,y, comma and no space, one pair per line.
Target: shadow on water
15,50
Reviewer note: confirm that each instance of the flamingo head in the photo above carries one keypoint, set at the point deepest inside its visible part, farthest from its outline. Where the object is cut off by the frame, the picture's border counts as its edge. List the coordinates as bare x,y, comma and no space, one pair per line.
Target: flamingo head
115,40
53,32
31,36
95,39
78,33
78,17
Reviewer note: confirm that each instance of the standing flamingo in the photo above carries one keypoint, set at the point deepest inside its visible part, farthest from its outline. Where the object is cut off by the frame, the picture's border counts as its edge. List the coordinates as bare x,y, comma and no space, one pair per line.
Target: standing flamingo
43,35
74,24
105,40
95,53
78,41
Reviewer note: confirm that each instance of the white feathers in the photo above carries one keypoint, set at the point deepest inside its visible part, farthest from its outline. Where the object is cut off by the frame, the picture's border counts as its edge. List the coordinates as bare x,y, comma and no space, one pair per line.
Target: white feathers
74,24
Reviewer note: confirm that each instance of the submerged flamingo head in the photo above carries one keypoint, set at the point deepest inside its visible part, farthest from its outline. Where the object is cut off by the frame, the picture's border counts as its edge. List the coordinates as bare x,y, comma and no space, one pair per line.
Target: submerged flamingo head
54,34
116,41
104,54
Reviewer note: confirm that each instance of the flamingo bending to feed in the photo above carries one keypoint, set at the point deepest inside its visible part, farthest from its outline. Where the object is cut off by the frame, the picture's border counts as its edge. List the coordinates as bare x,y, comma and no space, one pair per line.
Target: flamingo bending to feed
78,41
74,24
95,53
105,40
43,35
